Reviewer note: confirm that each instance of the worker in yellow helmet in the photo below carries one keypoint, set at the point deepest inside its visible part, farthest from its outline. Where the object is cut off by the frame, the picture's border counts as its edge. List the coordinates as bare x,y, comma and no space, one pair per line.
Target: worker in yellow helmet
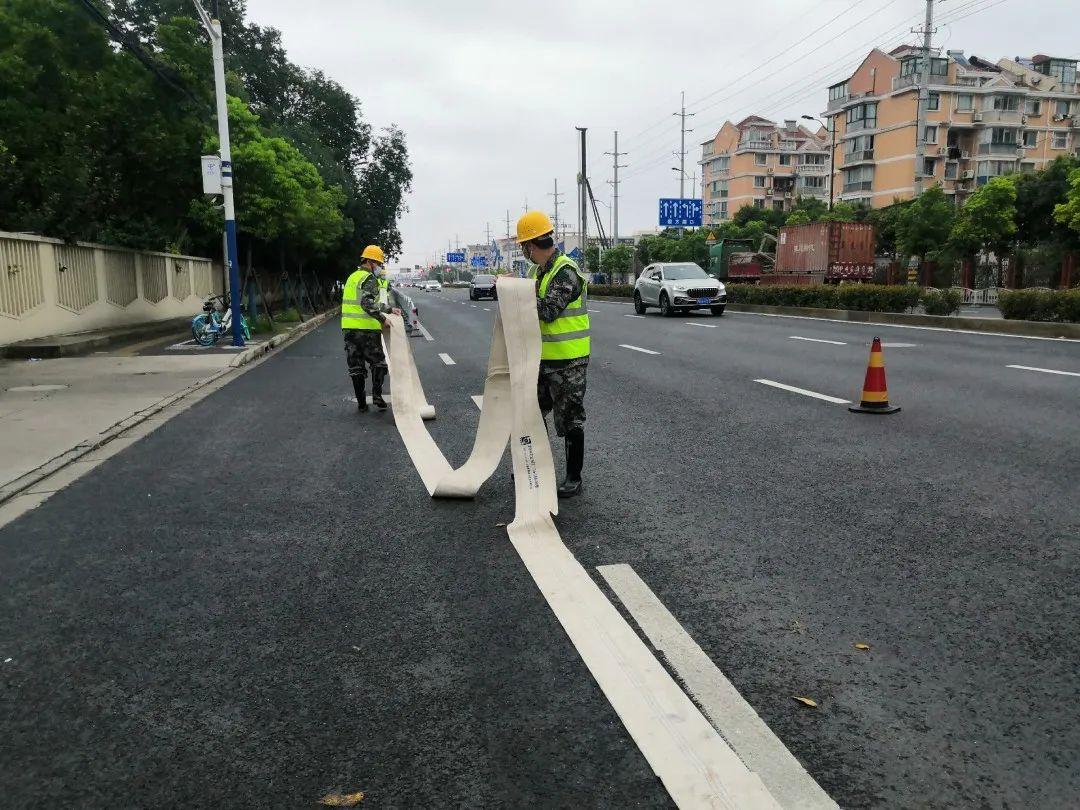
562,307
362,323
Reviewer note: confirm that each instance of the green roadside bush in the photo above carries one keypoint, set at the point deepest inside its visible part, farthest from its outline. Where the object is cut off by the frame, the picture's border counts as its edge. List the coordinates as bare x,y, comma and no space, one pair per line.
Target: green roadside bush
290,315
613,290
941,302
1058,306
260,325
863,297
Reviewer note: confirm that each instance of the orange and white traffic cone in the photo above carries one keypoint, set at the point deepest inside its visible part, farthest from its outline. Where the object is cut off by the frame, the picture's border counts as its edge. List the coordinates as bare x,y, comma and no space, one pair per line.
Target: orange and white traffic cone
875,394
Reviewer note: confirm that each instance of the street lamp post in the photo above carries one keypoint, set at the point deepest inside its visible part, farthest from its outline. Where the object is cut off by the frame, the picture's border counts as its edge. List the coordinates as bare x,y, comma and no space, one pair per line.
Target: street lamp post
213,29
832,154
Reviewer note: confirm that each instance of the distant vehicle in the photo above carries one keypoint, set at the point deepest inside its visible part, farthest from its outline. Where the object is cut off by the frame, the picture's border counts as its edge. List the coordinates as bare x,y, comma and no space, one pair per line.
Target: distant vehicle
483,286
432,286
678,287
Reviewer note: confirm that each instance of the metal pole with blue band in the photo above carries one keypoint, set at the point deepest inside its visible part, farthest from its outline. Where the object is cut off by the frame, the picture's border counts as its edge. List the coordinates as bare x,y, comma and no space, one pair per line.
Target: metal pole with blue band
213,28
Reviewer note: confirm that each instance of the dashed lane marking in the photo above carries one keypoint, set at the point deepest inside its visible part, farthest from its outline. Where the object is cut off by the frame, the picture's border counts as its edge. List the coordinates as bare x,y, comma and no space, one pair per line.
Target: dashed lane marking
425,333
637,349
747,734
447,359
706,325
633,316
817,340
479,400
804,392
1047,370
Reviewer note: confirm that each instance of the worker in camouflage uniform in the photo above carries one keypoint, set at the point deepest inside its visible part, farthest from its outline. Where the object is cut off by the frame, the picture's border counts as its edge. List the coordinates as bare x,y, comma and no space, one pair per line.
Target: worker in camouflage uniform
562,307
362,324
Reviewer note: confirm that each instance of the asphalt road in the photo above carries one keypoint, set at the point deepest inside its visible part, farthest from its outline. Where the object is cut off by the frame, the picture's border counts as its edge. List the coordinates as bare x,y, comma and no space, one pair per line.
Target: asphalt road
258,603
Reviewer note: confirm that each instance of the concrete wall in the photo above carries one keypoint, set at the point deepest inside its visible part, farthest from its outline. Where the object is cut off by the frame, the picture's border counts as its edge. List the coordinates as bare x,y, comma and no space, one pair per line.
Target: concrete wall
48,287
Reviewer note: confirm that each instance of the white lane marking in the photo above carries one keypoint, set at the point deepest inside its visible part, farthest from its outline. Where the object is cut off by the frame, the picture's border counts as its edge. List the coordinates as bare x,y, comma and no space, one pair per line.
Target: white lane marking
633,316
473,306
594,310
755,743
804,392
897,345
817,340
479,400
1047,370
637,348
425,333
706,325
447,359
908,326
486,309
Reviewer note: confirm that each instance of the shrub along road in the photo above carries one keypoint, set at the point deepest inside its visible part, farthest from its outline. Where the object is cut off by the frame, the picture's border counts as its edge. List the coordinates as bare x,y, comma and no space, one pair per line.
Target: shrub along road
307,619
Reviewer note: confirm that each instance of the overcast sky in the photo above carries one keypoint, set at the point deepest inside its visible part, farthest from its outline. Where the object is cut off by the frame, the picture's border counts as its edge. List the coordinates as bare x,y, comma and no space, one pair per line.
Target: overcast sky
489,93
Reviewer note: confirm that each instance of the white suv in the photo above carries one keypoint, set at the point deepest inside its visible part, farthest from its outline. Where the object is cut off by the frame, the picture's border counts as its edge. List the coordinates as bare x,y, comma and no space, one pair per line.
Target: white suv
678,287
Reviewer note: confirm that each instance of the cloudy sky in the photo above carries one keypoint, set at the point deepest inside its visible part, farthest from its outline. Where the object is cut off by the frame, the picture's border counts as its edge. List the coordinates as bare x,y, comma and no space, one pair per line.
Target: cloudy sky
489,93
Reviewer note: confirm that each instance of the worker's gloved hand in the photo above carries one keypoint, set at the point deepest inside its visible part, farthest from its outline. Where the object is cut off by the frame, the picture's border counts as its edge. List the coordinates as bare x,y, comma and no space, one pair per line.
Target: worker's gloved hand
396,310
386,325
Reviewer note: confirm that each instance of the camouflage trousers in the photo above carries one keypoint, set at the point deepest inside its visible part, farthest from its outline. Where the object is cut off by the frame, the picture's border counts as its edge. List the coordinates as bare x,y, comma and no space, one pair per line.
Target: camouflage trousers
561,391
363,347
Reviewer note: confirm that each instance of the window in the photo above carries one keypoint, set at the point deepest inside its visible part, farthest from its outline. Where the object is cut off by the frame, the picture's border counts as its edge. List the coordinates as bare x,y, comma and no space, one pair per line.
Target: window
928,167
1061,108
1001,135
939,67
862,116
785,160
721,164
1027,167
1032,106
994,168
933,101
723,210
813,160
1061,69
913,65
857,148
859,178
964,102
759,203
930,135
1006,102
950,170
759,181
1031,138
813,182
760,158
778,205
1061,140
838,91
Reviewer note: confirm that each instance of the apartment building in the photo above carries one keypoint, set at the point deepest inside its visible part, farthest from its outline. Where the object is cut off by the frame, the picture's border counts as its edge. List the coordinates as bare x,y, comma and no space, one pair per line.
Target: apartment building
759,162
983,119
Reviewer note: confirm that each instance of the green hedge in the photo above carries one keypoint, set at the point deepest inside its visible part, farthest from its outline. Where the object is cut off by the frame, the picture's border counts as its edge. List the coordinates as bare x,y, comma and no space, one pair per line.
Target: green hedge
614,290
941,302
1059,306
863,297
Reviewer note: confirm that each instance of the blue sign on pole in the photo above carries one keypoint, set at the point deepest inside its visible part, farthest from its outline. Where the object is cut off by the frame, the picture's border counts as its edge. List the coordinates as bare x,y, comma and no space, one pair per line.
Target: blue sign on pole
478,261
455,258
575,254
675,212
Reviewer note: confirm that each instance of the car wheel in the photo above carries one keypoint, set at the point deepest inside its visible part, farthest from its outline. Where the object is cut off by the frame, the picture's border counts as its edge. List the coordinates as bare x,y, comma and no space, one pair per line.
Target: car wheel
666,309
639,305
717,311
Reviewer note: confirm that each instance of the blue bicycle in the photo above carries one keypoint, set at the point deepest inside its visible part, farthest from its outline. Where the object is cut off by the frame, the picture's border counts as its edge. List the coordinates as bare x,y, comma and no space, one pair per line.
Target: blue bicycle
215,321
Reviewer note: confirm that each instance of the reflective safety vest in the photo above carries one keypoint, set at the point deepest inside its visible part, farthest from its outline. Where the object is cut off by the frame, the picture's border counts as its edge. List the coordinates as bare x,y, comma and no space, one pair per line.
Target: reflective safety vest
566,337
352,314
384,291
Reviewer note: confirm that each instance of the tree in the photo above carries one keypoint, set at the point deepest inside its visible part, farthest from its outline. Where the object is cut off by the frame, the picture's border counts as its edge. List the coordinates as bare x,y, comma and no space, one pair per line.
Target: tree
886,222
1068,212
592,258
1037,196
987,221
923,226
806,210
617,261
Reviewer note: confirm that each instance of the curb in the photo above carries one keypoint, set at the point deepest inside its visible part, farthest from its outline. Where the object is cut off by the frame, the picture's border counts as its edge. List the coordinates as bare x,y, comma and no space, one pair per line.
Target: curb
18,485
960,323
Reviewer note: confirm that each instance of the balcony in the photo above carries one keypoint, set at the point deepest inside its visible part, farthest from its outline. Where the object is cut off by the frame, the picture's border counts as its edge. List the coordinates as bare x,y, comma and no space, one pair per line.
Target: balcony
1000,149
812,168
754,146
1007,117
858,185
860,124
858,156
837,103
812,191
901,82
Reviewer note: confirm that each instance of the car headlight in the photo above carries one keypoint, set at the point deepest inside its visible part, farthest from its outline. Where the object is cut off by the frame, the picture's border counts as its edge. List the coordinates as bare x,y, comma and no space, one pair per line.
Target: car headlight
722,289
679,287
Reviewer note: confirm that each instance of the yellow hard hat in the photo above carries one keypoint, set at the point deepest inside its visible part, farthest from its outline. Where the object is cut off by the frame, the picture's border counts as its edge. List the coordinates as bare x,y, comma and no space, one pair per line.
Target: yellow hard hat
375,253
533,224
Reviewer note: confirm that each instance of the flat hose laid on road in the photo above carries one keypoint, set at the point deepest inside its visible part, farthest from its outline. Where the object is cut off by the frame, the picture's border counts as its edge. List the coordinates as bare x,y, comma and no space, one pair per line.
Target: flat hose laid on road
694,763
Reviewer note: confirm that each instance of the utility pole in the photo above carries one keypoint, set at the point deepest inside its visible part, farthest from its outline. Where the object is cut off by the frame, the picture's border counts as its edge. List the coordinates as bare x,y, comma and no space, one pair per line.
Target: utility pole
213,29
924,98
487,247
583,215
615,165
556,195
682,114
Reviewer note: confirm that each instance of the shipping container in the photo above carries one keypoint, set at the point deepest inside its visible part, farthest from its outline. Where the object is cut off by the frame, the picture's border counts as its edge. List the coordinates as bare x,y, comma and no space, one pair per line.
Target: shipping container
833,249
720,258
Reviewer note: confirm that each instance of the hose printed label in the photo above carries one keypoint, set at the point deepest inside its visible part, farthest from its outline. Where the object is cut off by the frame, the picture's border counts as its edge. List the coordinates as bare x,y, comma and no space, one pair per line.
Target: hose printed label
532,475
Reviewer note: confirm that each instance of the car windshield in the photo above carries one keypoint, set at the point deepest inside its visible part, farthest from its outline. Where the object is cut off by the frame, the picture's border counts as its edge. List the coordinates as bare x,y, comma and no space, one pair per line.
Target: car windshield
679,271
484,279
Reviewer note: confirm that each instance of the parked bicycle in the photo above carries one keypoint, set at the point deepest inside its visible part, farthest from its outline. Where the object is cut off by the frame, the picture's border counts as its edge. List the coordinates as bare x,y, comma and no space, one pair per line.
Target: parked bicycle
215,321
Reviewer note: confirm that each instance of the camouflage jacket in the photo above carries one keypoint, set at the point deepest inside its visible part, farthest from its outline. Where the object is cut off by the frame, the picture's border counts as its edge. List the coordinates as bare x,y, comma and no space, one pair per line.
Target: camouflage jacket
369,298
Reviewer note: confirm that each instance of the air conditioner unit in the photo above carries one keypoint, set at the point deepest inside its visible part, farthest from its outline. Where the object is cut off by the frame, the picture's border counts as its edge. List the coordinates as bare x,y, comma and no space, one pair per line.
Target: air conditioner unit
976,117
1020,152
968,175
769,171
1060,117
965,155
943,150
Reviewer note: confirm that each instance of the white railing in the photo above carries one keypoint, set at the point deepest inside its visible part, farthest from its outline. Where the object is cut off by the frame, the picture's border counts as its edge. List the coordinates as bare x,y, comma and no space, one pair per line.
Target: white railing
988,295
48,287
813,168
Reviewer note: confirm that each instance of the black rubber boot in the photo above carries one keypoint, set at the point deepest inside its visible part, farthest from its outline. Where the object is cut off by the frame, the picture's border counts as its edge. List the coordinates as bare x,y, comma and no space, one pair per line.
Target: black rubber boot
361,395
377,377
575,459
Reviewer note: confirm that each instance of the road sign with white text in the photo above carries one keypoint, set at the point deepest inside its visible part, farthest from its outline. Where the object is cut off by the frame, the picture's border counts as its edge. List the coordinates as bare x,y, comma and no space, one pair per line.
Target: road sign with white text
455,258
676,212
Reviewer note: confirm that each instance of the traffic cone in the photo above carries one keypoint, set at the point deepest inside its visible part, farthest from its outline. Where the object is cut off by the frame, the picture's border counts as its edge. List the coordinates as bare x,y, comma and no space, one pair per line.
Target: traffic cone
875,394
